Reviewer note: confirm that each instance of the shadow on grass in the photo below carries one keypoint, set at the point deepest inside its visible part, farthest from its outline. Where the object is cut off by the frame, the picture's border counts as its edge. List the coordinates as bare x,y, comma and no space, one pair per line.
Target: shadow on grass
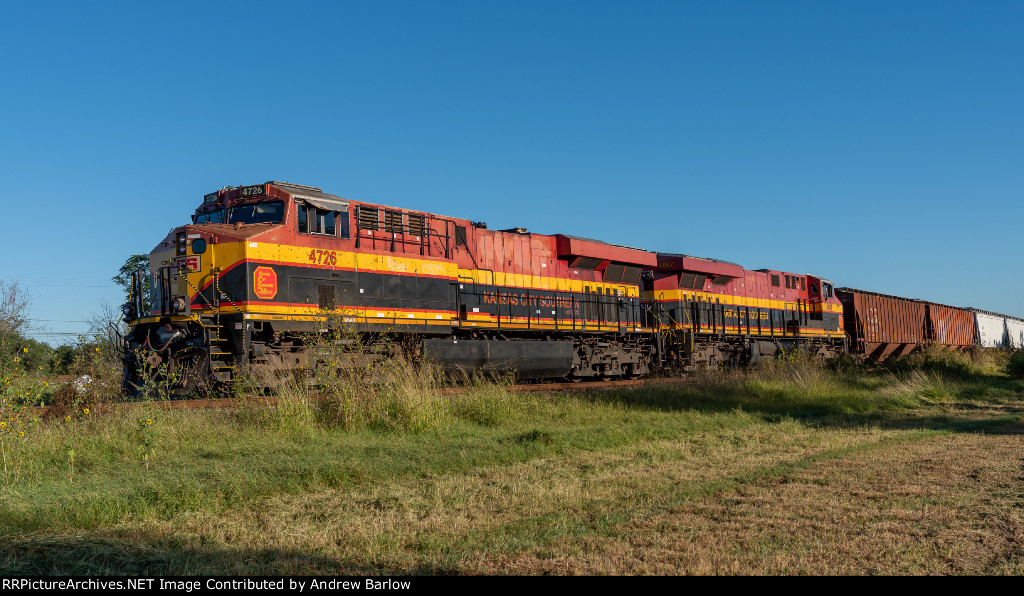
121,554
838,400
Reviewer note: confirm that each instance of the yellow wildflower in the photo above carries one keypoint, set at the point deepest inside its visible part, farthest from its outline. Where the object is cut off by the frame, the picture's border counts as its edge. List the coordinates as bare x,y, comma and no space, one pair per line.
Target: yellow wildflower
68,419
2,424
21,434
97,349
86,410
25,350
148,421
16,359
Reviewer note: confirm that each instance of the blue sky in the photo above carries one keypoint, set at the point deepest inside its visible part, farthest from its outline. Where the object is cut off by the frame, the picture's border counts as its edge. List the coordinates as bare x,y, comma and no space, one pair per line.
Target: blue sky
878,144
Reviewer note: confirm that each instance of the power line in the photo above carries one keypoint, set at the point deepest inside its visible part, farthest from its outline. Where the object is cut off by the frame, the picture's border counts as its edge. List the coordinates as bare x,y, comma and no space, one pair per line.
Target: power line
54,321
47,287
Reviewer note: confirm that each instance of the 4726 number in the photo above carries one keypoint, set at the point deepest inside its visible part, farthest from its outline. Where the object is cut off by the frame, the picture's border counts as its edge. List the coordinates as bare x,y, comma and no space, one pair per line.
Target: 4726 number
323,257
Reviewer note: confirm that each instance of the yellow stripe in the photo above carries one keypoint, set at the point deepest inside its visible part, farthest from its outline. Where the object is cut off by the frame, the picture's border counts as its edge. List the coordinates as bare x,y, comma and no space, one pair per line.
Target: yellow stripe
763,332
400,264
731,300
224,255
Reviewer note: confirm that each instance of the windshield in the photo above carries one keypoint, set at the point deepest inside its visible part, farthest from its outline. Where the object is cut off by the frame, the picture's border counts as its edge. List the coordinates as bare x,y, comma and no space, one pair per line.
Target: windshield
260,213
211,217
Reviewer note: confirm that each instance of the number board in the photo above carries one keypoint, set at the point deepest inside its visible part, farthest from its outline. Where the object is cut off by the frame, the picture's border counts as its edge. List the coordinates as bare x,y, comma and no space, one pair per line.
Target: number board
189,264
253,191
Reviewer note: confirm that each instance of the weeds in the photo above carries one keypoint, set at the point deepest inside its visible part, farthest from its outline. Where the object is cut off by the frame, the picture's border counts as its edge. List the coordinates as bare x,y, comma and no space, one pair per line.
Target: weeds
952,364
918,387
354,382
160,380
1015,365
147,440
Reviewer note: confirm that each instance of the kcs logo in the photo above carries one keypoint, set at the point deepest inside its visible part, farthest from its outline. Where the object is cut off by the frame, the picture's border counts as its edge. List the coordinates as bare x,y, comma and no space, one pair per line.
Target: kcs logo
264,282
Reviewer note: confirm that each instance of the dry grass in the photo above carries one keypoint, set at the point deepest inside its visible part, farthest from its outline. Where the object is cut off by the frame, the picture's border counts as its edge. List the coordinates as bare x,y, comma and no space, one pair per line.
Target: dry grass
949,504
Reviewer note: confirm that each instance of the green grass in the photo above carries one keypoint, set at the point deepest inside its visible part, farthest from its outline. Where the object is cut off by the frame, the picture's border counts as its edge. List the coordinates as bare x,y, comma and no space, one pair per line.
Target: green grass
398,476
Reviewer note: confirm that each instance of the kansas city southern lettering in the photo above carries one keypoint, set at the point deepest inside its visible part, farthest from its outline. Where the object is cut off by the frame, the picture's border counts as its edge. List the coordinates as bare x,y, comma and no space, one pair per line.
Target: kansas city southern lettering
533,300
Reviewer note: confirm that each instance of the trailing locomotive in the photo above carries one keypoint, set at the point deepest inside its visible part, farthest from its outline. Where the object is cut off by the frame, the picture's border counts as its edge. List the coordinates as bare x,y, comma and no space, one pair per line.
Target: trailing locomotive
711,312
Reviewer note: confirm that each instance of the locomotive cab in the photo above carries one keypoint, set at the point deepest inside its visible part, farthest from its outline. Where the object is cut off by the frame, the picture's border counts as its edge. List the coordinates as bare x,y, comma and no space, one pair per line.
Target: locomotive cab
825,306
188,312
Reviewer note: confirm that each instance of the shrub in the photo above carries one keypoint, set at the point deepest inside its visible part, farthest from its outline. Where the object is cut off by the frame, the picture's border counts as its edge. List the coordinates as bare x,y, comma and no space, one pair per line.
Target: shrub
935,359
1015,365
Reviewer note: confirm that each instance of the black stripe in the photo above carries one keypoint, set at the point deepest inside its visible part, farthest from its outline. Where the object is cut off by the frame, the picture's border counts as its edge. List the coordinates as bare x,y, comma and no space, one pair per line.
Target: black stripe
302,285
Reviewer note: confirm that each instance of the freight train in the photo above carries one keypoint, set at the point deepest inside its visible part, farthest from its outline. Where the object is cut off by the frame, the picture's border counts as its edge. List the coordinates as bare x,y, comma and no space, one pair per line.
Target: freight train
882,326
264,270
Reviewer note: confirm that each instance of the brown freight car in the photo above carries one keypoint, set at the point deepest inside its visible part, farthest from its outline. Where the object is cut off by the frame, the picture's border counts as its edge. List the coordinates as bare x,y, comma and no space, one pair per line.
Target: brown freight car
950,326
882,326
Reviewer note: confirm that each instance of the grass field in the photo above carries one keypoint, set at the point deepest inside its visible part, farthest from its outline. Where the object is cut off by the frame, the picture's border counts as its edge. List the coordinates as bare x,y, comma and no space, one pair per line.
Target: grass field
915,468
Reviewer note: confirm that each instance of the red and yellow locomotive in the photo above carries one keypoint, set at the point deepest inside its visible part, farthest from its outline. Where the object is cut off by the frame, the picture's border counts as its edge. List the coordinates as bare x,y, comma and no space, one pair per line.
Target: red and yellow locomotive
712,312
261,268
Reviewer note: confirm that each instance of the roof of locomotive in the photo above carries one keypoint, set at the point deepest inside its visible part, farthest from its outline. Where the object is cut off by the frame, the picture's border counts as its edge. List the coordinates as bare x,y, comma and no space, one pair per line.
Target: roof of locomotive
685,256
299,191
314,194
600,242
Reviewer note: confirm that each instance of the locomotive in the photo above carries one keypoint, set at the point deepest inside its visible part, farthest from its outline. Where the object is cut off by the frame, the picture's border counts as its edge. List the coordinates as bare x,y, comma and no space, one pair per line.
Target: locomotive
715,312
254,279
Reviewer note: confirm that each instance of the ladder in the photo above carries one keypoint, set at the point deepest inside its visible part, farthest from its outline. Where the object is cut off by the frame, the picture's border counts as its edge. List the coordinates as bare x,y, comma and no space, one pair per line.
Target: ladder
219,357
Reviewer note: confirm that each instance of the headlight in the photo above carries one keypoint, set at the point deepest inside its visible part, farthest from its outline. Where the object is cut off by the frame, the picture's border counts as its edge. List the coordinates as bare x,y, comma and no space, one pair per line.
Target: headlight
178,305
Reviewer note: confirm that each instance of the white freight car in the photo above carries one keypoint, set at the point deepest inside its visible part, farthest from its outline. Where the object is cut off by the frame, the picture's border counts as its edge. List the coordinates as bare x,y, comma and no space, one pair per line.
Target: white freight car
991,329
1015,333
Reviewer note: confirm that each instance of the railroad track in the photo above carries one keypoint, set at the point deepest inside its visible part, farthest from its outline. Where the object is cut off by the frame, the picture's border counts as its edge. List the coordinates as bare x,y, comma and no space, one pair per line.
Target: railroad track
231,402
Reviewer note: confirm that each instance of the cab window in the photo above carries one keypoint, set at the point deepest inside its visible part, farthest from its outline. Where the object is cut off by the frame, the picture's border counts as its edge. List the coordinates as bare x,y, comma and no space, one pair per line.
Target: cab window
209,217
272,212
312,220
